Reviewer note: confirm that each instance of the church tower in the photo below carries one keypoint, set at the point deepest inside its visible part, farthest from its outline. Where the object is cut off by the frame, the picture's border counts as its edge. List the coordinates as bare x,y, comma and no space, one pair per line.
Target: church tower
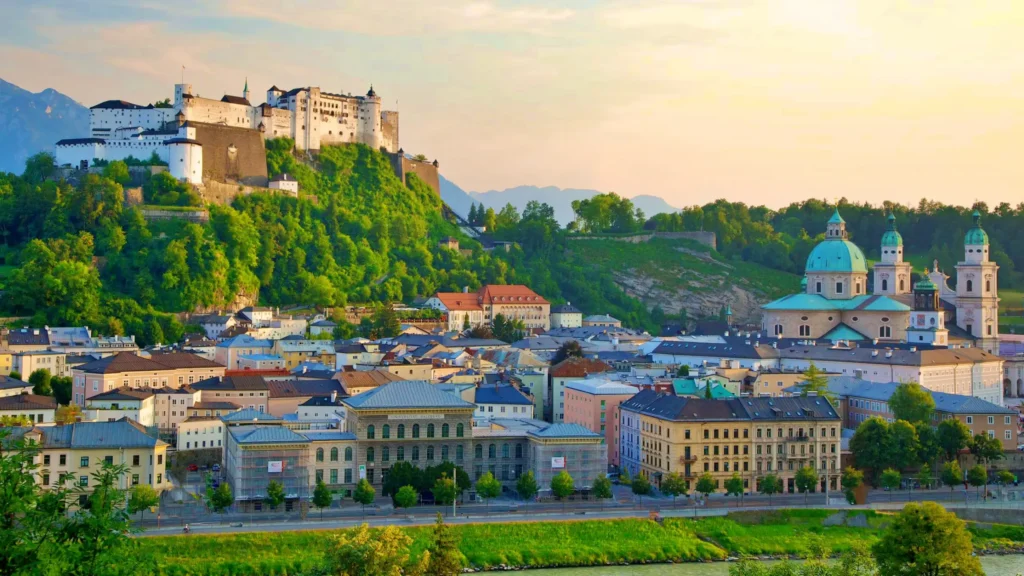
927,321
245,91
891,273
977,300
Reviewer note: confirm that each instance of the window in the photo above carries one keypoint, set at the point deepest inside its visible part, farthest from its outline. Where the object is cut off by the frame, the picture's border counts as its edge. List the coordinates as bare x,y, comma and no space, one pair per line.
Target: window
991,419
84,462
401,430
444,430
1006,435
370,432
430,430
1006,420
334,476
46,462
778,329
369,454
504,451
459,430
334,454
348,454
385,454
415,430
970,419
415,452
458,452
885,284
63,459
444,453
430,452
817,287
970,285
519,450
319,454
385,431
83,480
492,451
805,330
319,476
839,287
478,451
885,332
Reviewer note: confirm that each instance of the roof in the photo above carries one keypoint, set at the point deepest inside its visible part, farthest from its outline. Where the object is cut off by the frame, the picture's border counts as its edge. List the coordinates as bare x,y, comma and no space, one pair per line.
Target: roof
566,308
327,435
283,177
976,235
601,387
730,348
28,337
244,341
836,255
249,415
260,357
601,318
265,435
793,408
118,105
324,323
235,100
564,431
232,383
891,238
123,393
509,293
501,395
321,401
578,368
680,408
217,405
8,383
640,400
836,218
27,402
131,362
866,302
182,360
903,356
300,388
406,394
365,379
843,332
881,391
123,433
75,141
459,300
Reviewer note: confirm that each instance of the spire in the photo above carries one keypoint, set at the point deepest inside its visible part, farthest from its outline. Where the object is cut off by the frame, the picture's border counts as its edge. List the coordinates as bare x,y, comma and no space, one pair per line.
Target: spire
836,218
891,219
245,91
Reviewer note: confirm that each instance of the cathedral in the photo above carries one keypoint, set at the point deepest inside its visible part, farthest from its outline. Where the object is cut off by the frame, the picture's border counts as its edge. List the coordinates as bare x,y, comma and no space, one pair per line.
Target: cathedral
835,303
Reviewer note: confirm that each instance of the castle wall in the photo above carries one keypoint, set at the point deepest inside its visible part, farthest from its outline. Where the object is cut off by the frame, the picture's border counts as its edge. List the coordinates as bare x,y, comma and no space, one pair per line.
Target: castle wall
216,112
232,154
389,129
104,121
426,171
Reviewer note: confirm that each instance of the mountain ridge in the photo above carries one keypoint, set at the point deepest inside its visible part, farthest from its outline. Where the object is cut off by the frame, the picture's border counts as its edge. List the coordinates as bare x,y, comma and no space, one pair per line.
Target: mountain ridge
32,122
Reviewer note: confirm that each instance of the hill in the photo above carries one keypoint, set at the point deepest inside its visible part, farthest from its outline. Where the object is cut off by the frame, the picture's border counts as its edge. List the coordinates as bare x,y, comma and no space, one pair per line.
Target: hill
456,198
558,198
31,122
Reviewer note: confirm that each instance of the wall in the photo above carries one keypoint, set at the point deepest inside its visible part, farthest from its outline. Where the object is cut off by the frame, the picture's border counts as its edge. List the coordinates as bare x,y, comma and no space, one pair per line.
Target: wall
232,154
706,238
199,216
426,171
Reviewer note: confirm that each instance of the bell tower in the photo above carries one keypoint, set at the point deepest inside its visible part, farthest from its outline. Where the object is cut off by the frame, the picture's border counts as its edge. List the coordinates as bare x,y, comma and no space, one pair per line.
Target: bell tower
927,321
977,291
891,273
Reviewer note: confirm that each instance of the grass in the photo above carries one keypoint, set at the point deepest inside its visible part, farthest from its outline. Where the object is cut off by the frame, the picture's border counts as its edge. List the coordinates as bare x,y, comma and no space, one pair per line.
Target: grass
550,544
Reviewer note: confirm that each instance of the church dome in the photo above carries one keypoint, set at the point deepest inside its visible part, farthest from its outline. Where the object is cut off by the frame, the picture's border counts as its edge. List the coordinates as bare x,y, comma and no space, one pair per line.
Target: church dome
836,256
976,235
891,238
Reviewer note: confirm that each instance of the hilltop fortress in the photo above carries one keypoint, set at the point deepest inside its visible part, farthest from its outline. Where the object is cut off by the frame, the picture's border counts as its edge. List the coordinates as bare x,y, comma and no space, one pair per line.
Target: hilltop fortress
203,139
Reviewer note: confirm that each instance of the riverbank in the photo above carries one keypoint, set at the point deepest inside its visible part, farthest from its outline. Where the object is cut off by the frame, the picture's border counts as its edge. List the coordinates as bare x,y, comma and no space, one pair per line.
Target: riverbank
776,534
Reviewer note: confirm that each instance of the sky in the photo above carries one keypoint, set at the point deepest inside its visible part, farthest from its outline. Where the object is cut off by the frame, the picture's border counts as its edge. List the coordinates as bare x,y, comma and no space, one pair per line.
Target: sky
764,102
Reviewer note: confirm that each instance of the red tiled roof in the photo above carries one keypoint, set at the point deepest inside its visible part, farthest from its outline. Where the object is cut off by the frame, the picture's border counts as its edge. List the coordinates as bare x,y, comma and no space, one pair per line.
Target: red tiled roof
369,378
578,368
459,300
510,294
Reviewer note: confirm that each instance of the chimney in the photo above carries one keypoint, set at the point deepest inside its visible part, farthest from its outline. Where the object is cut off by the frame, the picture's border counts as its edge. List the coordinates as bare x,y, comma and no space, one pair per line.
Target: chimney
334,396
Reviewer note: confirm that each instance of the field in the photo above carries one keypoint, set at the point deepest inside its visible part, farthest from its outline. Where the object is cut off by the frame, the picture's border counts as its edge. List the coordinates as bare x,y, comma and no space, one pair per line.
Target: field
546,544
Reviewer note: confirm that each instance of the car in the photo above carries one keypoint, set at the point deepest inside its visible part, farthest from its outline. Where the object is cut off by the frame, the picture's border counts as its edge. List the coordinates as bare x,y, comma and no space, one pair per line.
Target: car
193,468
216,468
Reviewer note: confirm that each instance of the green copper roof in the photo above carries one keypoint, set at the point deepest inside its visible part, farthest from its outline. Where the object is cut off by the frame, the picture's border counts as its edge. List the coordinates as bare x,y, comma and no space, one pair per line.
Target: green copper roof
836,255
836,218
803,283
815,302
976,235
891,237
926,284
843,332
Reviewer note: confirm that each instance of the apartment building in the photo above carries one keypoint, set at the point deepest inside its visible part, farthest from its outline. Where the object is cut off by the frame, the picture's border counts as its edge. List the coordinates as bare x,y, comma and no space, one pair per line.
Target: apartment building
127,370
594,404
250,392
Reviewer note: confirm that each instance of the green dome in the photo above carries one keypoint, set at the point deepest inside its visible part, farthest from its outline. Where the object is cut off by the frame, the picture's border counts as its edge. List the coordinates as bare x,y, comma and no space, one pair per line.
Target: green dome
891,238
926,284
976,235
836,255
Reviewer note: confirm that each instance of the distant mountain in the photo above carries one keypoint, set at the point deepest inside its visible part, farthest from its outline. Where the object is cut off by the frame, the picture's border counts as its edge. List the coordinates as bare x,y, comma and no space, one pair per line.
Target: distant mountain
558,198
30,123
456,198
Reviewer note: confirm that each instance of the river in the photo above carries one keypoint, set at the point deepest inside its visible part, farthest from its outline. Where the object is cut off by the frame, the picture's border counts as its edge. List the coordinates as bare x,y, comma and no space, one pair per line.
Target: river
1009,565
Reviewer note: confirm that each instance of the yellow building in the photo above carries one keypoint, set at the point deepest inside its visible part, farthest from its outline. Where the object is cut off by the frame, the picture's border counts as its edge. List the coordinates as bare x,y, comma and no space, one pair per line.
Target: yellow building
773,382
6,361
295,352
81,449
694,436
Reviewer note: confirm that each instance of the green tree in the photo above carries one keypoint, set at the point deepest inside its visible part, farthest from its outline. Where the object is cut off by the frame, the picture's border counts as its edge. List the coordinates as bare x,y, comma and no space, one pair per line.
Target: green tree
275,494
977,476
40,381
406,497
488,487
1005,477
221,498
953,436
602,488
445,490
871,446
683,371
903,445
912,403
61,386
951,475
986,449
706,484
891,480
770,485
673,484
816,381
364,494
851,480
926,540
322,497
806,481
734,486
568,349
14,375
924,475
490,220
641,486
142,496
928,443
526,485
366,552
118,172
8,420
402,473
562,486
444,557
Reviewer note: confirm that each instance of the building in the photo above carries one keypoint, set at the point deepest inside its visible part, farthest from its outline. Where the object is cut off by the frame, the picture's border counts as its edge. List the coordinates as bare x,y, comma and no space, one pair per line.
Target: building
322,327
81,449
6,360
214,409
287,395
200,433
772,383
501,401
136,404
602,320
594,404
361,354
25,363
13,387
322,408
36,409
251,392
76,341
123,370
26,340
295,352
568,370
357,382
171,406
214,325
566,316
258,362
230,351
750,353
751,437
515,301
286,183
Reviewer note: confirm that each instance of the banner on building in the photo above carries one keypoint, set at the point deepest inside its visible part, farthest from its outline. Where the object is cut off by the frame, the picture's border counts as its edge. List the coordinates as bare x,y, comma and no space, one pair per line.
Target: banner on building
275,466
558,462
362,472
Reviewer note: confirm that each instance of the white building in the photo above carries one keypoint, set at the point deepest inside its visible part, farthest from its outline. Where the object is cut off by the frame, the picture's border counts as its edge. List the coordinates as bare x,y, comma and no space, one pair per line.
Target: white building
200,432
36,409
503,401
286,183
139,405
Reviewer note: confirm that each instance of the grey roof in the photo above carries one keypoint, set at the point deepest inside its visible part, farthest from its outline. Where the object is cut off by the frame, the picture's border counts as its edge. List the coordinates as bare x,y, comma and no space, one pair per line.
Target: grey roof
27,402
326,435
406,394
564,431
640,400
265,435
244,341
7,383
123,394
324,323
501,395
301,388
566,309
900,356
600,318
232,383
123,433
680,408
851,387
729,349
790,408
249,415
321,401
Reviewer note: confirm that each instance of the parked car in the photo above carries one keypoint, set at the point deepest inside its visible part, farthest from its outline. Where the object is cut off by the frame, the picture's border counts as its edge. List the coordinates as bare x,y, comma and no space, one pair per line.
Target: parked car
216,467
193,468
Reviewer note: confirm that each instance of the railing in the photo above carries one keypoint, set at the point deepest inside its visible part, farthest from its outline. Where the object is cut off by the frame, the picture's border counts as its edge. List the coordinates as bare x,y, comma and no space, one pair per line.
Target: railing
687,459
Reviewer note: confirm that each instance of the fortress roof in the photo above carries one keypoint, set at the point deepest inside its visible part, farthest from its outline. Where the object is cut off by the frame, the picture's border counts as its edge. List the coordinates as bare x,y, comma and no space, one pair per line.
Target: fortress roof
235,100
119,105
74,141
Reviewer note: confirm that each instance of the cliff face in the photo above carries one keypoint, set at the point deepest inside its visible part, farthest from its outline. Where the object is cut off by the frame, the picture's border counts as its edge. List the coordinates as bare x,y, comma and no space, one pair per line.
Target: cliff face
31,123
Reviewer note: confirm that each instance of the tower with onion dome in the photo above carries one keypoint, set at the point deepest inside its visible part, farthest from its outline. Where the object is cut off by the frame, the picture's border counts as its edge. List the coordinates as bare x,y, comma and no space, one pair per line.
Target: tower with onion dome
977,291
891,273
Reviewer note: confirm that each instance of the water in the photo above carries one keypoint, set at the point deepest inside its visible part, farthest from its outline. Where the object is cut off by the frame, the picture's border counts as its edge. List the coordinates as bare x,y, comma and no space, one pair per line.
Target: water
1009,565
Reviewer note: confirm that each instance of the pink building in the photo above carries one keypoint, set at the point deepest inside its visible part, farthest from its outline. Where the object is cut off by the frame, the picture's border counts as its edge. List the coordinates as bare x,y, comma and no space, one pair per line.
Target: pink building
594,404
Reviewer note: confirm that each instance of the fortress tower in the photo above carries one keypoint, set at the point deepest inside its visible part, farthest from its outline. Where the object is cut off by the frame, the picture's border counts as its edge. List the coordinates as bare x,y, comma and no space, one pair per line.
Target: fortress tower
977,300
892,274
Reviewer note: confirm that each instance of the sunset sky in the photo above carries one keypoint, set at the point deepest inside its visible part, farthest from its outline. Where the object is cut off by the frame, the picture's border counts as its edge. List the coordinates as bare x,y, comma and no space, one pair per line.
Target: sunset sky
755,101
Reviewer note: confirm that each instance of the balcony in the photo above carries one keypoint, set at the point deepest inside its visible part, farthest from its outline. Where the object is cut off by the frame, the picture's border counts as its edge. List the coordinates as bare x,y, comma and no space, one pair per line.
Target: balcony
688,459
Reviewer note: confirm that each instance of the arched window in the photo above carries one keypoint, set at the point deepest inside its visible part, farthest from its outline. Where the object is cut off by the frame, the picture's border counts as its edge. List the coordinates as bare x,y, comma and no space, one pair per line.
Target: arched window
817,287
334,454
901,285
369,454
401,430
385,454
370,432
415,430
856,289
385,431
492,451
519,450
459,430
348,454
430,430
444,453
504,451
885,284
415,452
401,453
970,285
458,452
430,452
319,454
478,451
444,430
988,285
